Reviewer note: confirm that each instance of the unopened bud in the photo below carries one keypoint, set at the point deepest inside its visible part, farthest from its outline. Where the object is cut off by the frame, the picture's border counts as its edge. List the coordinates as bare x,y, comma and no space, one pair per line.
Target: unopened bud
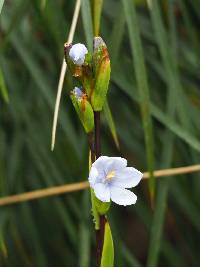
83,109
102,71
79,62
77,54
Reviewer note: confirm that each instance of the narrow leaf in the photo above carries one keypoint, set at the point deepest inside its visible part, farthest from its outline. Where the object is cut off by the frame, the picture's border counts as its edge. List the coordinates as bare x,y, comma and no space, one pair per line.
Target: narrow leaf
87,22
97,8
141,77
111,123
107,258
3,88
1,5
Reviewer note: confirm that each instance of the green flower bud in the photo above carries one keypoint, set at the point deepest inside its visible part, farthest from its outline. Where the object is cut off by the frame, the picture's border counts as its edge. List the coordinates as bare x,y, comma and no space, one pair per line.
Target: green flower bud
79,62
83,109
102,69
102,207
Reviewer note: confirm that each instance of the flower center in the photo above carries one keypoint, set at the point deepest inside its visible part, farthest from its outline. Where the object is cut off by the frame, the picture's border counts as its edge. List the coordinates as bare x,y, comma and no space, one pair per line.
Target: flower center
110,175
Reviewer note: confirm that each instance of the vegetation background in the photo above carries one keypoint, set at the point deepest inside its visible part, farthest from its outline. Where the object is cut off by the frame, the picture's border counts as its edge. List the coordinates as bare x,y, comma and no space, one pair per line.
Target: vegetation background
58,231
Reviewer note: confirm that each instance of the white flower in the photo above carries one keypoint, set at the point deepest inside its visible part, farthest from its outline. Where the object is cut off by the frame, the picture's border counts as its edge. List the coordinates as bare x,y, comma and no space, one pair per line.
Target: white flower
109,176
78,93
77,53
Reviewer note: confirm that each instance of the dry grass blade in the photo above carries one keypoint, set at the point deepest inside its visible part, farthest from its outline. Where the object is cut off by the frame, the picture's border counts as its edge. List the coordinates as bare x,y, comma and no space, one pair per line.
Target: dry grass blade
58,190
62,73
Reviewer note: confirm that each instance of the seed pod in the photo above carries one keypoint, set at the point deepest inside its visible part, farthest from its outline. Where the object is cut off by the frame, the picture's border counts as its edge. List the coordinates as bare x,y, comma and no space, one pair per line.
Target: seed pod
102,69
83,109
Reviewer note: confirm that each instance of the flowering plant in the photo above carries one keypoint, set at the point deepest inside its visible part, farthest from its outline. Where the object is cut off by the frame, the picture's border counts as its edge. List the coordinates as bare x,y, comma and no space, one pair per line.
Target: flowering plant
109,177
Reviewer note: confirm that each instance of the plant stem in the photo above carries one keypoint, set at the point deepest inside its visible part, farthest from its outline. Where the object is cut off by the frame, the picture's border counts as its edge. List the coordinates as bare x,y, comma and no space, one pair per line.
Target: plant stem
97,134
91,145
100,231
100,239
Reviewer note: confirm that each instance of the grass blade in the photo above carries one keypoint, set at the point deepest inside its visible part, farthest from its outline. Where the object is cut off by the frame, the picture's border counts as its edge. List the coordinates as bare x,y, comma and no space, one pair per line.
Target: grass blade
141,77
111,123
97,8
3,88
1,5
87,22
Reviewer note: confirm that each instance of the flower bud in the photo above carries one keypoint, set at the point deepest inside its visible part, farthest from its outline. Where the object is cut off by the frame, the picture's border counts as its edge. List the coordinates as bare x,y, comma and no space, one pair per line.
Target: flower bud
101,207
83,109
79,62
102,71
77,53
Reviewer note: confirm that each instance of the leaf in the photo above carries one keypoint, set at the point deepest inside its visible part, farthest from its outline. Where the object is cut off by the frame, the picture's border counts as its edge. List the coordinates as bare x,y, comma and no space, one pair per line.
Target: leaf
111,123
84,239
107,258
168,58
157,113
43,4
141,77
97,9
87,22
1,5
3,88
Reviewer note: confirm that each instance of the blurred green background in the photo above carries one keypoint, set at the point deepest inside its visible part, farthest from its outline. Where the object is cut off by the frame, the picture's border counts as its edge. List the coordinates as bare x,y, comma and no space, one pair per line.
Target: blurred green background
58,231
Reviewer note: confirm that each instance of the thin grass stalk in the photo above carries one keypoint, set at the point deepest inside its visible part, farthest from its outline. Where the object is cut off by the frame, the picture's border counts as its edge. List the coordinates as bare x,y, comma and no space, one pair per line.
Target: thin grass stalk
74,187
62,73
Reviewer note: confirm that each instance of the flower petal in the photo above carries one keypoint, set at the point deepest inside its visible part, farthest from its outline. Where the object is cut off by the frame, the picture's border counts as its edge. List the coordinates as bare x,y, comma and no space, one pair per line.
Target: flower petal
117,163
100,163
102,192
77,53
127,177
93,176
78,93
114,164
122,196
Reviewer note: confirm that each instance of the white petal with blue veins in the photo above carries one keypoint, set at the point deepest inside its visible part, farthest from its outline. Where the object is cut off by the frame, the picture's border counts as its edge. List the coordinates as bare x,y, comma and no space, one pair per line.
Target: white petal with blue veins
122,196
127,177
102,192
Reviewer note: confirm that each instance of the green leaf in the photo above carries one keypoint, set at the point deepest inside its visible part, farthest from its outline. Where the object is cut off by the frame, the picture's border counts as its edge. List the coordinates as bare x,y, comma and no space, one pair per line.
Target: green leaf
101,207
43,4
3,88
97,8
157,113
111,123
107,258
87,22
141,77
1,5
94,210
168,58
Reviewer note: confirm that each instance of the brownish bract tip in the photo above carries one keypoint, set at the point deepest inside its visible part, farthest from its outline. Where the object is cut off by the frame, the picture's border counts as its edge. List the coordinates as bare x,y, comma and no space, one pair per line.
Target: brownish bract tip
67,47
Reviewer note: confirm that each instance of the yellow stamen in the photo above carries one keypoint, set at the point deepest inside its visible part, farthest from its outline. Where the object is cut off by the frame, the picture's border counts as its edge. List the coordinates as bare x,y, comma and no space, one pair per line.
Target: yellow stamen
110,175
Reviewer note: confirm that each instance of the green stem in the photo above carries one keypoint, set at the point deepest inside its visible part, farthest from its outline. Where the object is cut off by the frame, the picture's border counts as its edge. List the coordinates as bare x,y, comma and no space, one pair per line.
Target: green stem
102,218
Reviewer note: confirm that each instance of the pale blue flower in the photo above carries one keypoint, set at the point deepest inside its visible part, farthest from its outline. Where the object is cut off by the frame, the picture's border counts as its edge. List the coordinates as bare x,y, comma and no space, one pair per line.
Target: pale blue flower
78,93
110,176
77,53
